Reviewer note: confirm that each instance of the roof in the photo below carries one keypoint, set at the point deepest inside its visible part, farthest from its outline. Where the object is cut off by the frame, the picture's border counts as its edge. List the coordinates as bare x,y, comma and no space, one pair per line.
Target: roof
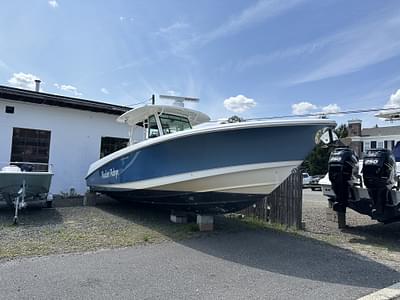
27,96
381,131
139,114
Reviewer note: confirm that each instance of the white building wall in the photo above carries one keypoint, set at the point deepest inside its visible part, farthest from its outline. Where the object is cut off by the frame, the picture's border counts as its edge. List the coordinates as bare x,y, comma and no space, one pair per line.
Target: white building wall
380,141
75,138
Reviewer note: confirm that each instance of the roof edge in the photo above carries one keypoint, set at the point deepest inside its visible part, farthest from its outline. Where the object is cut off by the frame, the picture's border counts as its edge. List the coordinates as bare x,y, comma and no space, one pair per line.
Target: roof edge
21,95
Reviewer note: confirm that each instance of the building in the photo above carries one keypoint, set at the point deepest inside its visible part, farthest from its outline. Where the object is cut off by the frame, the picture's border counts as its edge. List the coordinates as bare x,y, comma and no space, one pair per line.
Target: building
364,139
68,133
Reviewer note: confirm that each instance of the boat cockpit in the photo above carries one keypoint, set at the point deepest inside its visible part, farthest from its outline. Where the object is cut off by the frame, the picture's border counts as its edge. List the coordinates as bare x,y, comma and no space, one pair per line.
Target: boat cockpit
159,120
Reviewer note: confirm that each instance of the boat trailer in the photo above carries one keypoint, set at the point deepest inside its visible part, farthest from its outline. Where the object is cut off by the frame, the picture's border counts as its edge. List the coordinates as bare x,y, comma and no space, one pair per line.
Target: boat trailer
19,201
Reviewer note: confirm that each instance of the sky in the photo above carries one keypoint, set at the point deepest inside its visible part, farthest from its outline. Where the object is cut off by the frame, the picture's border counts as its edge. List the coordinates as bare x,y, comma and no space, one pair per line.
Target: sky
247,58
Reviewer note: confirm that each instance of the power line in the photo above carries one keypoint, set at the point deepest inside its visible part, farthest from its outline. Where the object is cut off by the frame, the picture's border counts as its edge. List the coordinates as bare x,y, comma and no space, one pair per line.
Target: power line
321,114
134,104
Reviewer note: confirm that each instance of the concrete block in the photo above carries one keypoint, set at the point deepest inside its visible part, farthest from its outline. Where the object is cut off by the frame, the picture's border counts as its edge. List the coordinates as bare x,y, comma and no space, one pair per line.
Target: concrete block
89,199
178,218
205,223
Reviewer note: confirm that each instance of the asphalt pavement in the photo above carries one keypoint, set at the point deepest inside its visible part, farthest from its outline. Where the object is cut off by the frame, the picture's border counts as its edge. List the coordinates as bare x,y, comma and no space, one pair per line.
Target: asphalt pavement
251,264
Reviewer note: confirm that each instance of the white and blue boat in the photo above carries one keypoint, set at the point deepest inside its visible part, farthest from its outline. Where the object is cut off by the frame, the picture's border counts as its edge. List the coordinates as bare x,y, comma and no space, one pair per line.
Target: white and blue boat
186,163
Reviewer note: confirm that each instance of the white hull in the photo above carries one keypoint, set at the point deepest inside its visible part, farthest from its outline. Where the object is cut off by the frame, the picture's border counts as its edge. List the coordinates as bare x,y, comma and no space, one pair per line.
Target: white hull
247,179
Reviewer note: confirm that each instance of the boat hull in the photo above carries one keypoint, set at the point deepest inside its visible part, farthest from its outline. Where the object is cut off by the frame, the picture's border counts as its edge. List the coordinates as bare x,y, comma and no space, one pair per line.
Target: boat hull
37,185
226,170
193,202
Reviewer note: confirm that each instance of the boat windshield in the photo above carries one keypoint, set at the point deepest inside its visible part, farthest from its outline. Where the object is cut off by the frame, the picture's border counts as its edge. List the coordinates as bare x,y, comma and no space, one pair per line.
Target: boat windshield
173,123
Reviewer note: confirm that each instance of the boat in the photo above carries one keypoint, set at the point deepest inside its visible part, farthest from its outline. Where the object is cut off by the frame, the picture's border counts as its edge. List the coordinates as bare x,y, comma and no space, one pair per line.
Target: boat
25,182
188,163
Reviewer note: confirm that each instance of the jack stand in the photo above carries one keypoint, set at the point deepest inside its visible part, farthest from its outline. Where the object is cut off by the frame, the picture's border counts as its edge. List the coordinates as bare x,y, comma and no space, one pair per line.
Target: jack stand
19,204
205,223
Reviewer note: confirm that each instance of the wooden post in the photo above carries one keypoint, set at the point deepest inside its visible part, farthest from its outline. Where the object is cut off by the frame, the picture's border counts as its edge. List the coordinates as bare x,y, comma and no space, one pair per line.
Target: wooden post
284,205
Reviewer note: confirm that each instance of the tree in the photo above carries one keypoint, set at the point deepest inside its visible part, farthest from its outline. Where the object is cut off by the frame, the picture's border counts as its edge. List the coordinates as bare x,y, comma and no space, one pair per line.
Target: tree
316,163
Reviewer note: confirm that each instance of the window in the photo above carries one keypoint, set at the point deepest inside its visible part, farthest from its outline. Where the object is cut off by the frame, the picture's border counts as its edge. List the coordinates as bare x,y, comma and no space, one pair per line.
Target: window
373,144
9,109
153,128
31,145
389,144
380,145
367,146
171,123
111,144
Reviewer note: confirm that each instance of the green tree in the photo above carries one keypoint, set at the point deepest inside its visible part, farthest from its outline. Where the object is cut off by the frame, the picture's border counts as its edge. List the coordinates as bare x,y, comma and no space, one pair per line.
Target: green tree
316,163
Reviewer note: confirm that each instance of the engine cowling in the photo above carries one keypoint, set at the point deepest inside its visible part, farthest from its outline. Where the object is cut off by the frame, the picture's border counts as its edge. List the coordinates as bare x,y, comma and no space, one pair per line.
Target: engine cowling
379,173
342,169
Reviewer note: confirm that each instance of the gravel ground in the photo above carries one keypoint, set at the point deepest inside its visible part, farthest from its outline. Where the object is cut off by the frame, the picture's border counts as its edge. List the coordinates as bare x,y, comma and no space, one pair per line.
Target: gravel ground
77,229
363,235
115,225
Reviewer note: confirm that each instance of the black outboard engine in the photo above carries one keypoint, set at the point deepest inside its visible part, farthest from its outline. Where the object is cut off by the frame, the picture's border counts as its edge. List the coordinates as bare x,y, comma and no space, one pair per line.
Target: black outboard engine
343,169
379,172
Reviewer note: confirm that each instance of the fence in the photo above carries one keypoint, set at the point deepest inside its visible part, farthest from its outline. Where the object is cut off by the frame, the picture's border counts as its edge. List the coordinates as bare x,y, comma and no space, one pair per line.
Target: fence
284,205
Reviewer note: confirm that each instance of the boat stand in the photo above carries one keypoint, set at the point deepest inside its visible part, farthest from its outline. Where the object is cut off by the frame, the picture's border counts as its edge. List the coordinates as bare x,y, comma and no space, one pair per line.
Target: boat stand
20,201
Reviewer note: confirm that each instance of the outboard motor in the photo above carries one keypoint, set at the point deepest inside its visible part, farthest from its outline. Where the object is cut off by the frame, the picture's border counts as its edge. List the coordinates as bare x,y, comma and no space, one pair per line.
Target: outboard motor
379,173
343,171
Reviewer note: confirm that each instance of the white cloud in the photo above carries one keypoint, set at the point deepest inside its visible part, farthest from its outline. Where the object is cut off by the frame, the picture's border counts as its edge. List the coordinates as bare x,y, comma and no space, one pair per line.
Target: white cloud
262,10
303,107
352,50
53,3
331,109
104,91
239,103
122,19
68,88
394,100
256,13
175,26
23,81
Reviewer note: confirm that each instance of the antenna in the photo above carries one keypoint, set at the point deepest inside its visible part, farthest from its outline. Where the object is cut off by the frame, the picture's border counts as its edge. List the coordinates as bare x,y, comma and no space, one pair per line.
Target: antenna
179,101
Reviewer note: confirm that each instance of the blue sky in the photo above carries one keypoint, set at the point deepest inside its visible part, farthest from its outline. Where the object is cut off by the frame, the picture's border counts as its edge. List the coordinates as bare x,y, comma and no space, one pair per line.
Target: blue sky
252,58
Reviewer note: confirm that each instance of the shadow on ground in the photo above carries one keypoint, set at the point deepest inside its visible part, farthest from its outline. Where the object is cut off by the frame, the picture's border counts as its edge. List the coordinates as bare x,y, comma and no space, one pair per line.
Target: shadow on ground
34,215
382,235
270,250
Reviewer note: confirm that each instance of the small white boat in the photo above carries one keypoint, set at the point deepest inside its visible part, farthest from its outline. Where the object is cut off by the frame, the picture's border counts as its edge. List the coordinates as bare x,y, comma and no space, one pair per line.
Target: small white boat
24,182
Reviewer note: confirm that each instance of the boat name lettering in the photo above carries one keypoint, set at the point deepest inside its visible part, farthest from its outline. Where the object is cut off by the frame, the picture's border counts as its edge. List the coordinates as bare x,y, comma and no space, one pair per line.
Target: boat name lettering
109,173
